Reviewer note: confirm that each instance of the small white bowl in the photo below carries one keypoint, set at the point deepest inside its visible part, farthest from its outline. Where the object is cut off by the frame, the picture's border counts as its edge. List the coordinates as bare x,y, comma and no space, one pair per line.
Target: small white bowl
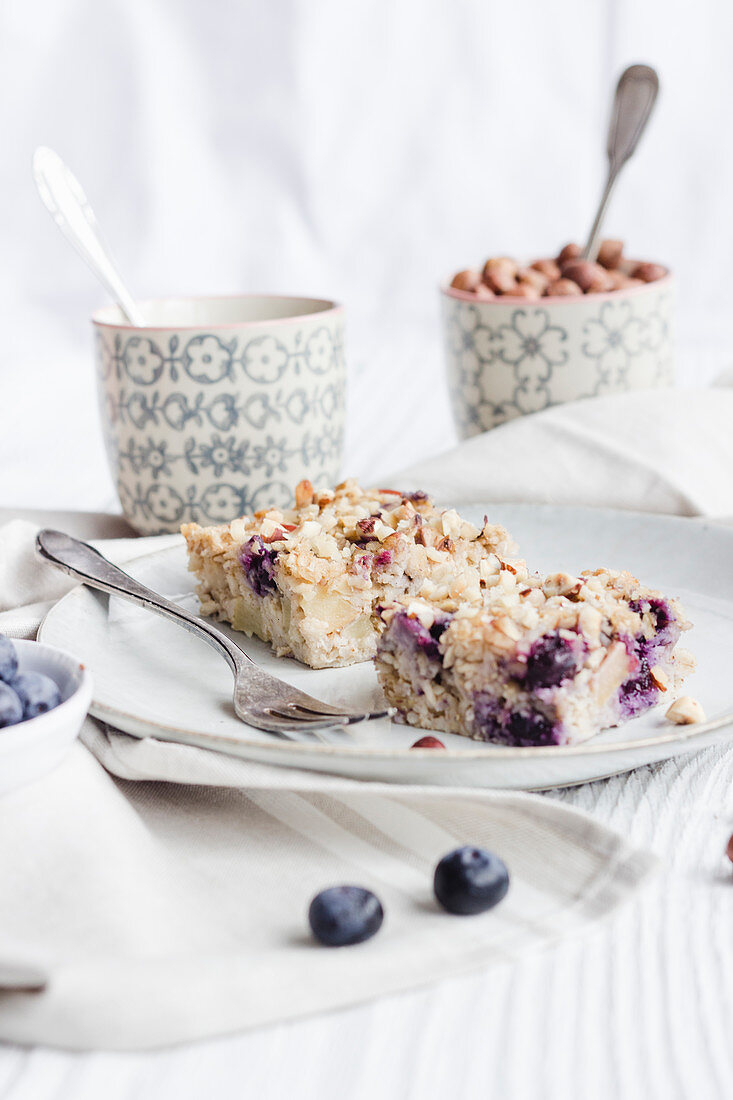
30,749
507,357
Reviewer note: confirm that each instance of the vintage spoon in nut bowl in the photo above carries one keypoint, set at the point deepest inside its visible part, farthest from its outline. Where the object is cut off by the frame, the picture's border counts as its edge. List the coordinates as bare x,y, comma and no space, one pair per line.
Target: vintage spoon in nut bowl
64,198
636,94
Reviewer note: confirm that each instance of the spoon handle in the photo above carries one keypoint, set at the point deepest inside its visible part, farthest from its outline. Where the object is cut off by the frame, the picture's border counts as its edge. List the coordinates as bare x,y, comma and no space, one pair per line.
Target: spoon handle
636,94
64,198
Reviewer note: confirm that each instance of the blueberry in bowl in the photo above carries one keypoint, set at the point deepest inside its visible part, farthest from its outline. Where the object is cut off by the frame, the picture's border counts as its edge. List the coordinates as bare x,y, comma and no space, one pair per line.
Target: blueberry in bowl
37,693
8,660
44,697
11,708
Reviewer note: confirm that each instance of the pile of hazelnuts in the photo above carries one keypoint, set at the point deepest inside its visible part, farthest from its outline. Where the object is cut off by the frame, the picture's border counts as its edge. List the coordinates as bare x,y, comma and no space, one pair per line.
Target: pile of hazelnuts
566,276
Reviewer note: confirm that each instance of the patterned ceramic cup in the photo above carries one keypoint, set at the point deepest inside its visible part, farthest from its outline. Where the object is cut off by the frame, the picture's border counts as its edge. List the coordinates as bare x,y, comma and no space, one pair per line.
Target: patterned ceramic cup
508,356
221,405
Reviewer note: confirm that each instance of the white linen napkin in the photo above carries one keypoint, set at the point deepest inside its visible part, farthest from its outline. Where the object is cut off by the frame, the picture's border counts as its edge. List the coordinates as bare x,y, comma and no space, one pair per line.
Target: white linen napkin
651,451
167,911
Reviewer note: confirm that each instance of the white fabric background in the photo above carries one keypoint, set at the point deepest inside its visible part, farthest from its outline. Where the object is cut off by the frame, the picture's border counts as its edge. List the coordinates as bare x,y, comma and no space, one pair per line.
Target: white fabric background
360,151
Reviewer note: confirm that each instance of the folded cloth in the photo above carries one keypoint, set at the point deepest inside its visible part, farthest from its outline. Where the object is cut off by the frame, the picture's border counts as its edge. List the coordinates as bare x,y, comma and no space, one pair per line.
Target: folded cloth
650,450
167,911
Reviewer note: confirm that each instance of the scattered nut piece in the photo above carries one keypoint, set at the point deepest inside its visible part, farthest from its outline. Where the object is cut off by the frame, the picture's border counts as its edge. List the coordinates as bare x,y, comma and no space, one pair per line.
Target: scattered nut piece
466,280
685,711
729,850
609,254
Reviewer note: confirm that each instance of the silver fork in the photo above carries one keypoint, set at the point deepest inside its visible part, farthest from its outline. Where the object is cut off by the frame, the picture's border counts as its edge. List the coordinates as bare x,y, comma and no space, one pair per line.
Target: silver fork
260,700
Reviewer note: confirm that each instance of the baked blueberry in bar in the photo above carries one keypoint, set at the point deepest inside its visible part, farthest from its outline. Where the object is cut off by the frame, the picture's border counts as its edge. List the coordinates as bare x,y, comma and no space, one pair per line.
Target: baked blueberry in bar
309,580
536,660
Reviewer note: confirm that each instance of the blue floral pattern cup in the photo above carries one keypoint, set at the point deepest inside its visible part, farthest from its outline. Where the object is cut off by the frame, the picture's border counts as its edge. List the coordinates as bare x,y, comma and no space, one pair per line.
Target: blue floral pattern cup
509,356
220,406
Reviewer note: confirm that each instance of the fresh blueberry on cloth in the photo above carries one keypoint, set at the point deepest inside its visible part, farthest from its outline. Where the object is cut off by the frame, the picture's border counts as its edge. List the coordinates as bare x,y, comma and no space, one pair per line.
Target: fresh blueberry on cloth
343,915
470,880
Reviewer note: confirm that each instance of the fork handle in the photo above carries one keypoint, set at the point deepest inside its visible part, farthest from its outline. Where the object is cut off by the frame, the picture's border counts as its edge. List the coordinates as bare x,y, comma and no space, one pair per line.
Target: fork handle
82,561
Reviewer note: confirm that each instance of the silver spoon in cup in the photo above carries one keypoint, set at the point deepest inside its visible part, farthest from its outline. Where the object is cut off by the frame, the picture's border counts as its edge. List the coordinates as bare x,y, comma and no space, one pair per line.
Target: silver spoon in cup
636,94
64,198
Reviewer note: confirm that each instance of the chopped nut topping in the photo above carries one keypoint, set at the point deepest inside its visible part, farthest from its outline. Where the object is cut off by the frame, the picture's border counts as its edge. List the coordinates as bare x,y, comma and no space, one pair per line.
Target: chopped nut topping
451,522
508,626
304,494
659,677
562,584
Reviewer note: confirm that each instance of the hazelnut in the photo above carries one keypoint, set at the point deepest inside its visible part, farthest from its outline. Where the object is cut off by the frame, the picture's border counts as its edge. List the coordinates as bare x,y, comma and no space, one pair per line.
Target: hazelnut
569,252
549,268
590,277
563,288
500,274
484,293
531,277
610,253
466,280
526,290
729,850
649,273
617,280
685,711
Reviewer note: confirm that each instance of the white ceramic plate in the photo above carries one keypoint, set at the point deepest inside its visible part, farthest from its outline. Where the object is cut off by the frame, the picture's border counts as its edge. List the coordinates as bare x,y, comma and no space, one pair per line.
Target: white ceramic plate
154,679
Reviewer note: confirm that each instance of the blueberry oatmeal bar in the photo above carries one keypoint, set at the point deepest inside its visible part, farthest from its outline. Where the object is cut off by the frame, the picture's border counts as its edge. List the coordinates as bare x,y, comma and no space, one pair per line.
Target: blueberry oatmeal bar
310,580
535,660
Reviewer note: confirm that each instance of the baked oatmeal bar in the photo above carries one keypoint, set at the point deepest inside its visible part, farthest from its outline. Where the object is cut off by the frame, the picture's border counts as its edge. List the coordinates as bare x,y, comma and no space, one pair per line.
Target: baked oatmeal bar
310,579
537,660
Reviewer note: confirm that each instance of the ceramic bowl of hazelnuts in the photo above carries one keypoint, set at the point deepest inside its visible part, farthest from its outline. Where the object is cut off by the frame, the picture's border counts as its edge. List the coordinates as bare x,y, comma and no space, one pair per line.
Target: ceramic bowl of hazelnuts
522,337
